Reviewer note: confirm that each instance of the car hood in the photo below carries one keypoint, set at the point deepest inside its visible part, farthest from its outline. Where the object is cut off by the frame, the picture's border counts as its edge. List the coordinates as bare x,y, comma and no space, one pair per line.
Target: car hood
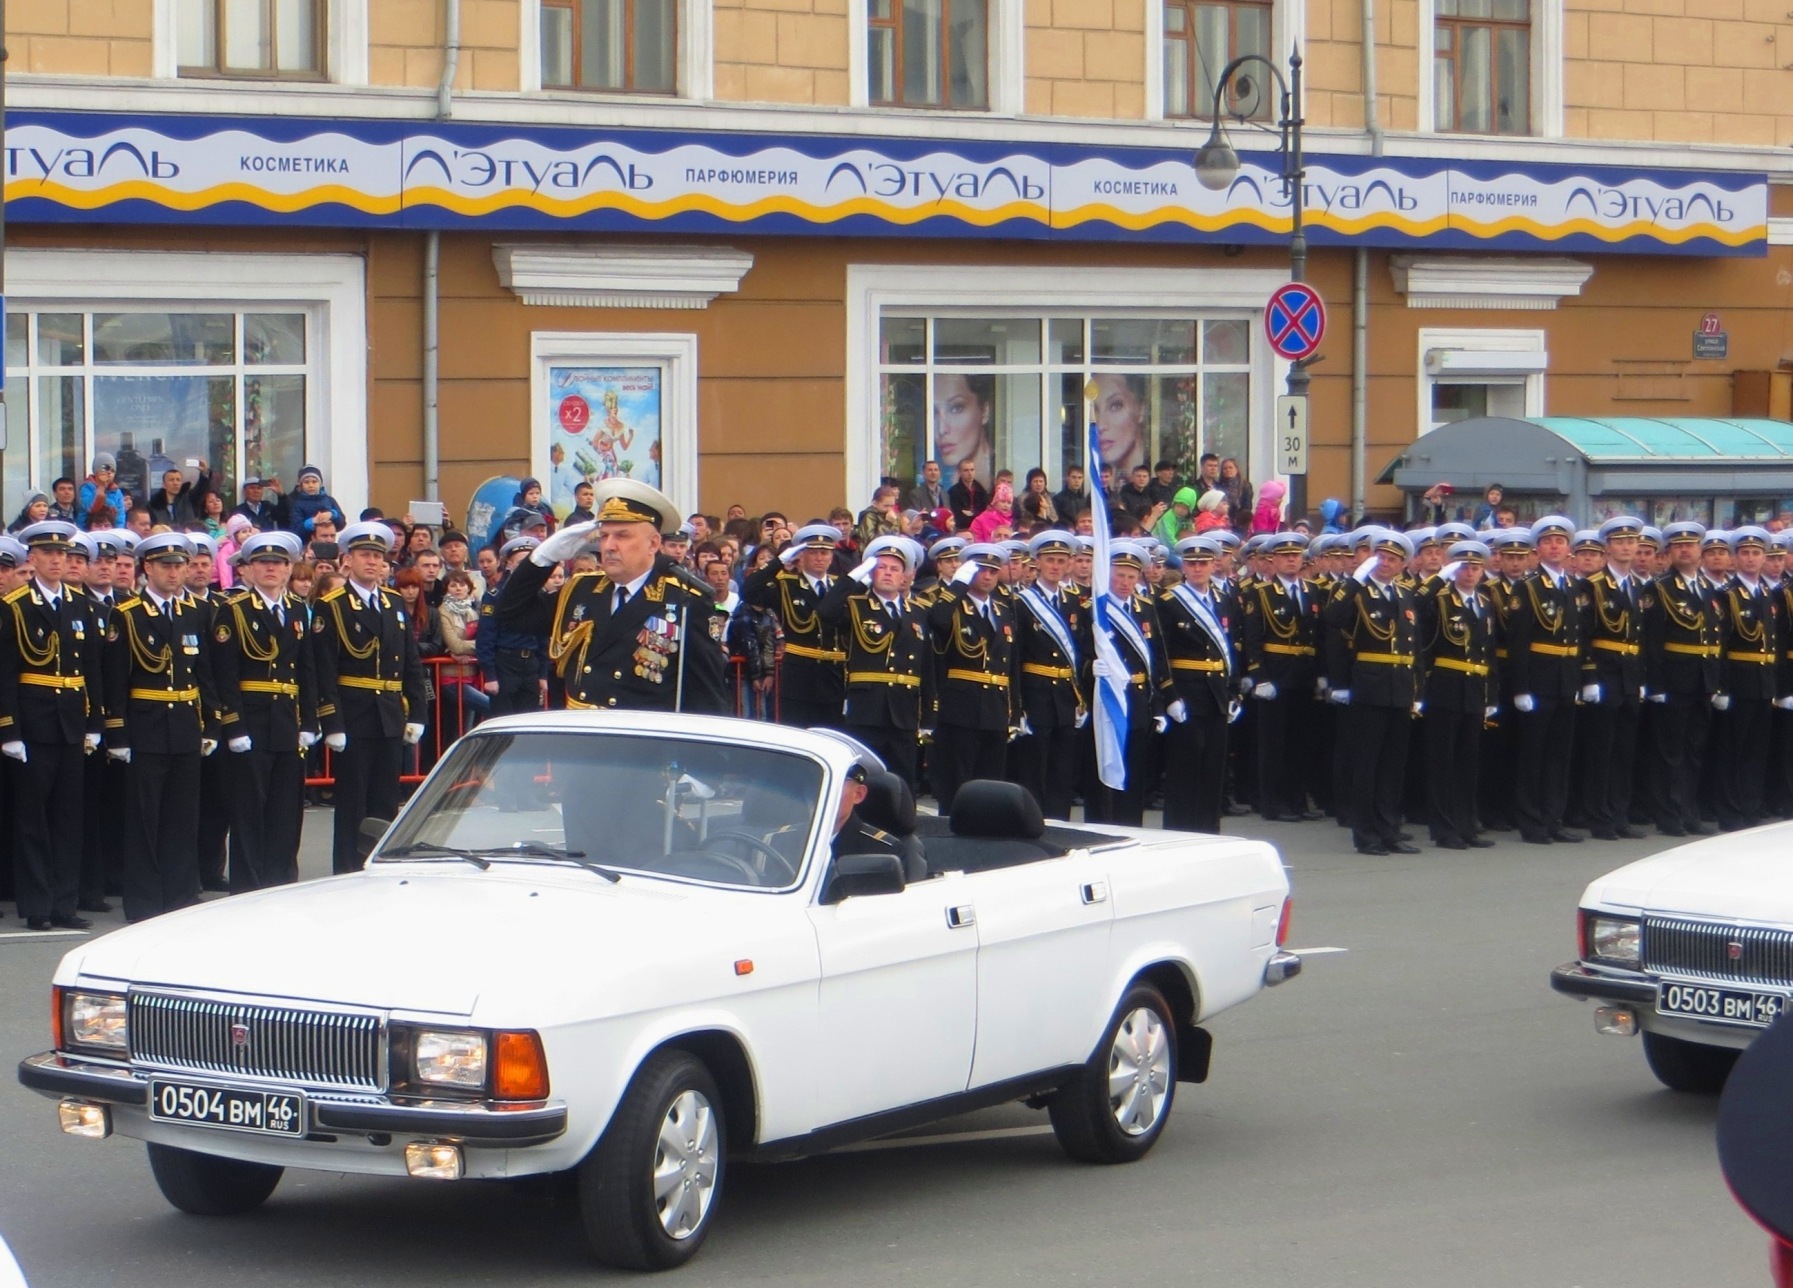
410,938
1740,876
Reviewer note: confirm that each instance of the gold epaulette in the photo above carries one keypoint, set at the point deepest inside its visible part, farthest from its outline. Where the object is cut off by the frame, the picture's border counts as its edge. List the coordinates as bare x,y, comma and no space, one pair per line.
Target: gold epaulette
15,595
334,593
132,602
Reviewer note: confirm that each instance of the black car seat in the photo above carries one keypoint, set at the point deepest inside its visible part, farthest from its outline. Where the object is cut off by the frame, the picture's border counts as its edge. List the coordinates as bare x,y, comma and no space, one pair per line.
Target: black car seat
994,824
889,806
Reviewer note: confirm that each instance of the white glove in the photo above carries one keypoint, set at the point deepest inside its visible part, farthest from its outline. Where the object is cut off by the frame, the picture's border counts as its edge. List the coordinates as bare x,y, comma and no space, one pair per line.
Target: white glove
307,740
1643,695
336,741
1178,711
1264,690
863,573
413,734
90,743
1721,702
1234,710
1160,723
1419,708
1450,570
966,572
1590,693
1320,687
1081,720
1488,713
1342,697
1364,569
207,746
241,743
1785,704
563,545
1524,702
120,754
1657,697
789,555
1247,685
926,735
1024,730
15,749
1099,668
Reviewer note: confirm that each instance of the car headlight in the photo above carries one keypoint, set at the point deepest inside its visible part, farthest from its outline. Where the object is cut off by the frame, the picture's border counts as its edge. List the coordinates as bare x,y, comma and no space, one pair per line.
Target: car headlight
450,1058
1617,941
96,1022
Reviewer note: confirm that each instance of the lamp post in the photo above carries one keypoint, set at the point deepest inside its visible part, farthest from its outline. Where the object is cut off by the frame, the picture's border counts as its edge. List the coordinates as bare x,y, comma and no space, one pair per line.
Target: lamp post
1217,165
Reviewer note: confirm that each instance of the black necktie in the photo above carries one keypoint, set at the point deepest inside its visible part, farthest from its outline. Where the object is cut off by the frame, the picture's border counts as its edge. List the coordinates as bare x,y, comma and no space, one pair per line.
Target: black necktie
622,597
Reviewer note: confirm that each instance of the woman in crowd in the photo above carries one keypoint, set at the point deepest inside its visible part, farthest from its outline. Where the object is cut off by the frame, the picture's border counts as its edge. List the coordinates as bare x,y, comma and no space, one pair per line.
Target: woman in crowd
1238,491
35,510
212,516
1037,507
460,698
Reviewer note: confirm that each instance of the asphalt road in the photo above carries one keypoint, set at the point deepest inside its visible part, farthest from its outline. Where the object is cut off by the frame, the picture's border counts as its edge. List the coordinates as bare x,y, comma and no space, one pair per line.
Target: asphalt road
1417,1110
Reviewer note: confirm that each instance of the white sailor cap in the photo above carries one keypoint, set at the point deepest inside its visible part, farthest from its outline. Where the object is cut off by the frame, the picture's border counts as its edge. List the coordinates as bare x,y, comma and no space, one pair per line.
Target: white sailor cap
1471,551
165,547
986,553
897,547
122,540
1423,536
1285,543
947,548
1651,537
1510,539
12,552
50,534
1394,543
816,536
1749,535
1455,531
1053,541
1683,531
515,544
1198,548
1553,524
1715,537
1129,554
281,546
83,544
1622,525
1586,539
203,544
370,535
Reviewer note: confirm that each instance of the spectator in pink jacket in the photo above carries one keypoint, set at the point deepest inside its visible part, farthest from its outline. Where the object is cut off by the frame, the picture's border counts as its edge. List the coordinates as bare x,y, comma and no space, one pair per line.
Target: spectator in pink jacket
1268,516
1001,514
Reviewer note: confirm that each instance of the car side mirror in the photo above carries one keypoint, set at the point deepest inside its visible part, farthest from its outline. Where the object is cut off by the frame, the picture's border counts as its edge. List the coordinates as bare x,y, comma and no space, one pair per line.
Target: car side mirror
862,874
372,829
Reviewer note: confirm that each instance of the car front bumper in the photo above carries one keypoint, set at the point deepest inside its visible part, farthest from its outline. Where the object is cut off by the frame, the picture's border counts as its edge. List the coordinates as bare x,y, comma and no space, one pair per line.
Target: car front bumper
478,1124
1576,980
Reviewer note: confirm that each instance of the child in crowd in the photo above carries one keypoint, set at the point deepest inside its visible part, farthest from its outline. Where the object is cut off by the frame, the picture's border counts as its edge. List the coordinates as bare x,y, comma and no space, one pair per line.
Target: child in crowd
311,500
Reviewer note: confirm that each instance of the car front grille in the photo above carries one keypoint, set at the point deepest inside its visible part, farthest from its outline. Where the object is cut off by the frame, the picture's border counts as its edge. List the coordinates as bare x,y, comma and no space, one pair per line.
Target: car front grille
1745,954
313,1048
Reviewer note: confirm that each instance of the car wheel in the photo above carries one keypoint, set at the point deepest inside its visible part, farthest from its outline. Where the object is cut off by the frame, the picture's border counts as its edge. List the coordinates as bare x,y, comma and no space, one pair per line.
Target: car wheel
1114,1110
1681,1065
648,1189
206,1185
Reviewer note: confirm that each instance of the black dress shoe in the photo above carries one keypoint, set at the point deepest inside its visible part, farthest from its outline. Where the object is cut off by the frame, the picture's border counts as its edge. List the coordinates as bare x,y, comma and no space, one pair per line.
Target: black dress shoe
1311,816
37,923
1282,818
1236,810
1672,829
215,887
1403,836
1451,843
1604,834
1374,849
71,923
1536,839
1628,833
1502,826
1480,843
1401,847
101,906
1566,837
1702,828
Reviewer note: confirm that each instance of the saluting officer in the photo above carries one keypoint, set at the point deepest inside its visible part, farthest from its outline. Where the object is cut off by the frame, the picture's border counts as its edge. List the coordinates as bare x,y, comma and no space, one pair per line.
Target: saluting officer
158,695
1457,636
1544,650
640,634
1683,645
1752,648
1373,672
267,711
810,684
973,634
1281,622
373,700
15,571
1613,684
49,719
1052,641
889,669
1199,649
943,555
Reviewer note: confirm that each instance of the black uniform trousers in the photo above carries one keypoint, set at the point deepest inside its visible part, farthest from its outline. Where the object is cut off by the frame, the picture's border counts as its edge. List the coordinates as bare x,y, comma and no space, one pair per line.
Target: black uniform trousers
46,838
1743,742
1285,751
1541,779
899,749
367,786
1379,738
1195,773
1609,746
806,714
1678,732
962,754
1045,762
1499,769
519,683
1453,744
161,833
102,840
1127,806
267,793
214,819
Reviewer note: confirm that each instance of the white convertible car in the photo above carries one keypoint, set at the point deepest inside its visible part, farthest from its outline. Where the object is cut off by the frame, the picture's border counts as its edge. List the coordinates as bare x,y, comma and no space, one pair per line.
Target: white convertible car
1694,948
623,946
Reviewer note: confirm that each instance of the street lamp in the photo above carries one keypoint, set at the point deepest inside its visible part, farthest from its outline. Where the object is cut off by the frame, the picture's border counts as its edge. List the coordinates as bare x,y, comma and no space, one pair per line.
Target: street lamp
1217,165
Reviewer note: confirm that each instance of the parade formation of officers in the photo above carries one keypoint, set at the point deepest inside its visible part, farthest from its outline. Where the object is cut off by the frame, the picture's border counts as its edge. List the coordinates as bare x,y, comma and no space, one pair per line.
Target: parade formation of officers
123,674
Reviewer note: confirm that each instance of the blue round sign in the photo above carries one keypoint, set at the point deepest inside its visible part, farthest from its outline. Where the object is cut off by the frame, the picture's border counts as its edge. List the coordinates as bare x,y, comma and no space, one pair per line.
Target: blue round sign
1295,320
491,502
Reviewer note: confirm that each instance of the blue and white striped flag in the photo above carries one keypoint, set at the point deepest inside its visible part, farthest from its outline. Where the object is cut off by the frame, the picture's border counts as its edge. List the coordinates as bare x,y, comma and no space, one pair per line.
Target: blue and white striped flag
1110,696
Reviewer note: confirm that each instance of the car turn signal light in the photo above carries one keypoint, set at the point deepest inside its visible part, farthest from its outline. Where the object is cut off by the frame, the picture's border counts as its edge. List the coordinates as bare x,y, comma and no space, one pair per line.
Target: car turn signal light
56,1019
520,1071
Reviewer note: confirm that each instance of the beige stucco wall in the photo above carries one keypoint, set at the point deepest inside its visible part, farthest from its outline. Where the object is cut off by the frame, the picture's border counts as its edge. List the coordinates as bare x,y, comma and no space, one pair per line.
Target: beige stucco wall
1085,57
781,51
80,37
404,43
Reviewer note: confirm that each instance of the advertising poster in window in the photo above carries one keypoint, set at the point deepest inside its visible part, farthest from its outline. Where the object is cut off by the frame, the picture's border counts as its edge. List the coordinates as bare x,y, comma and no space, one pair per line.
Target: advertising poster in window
603,423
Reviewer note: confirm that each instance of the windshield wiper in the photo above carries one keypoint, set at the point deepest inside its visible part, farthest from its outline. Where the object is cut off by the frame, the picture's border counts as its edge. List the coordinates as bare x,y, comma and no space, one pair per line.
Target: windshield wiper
538,850
429,849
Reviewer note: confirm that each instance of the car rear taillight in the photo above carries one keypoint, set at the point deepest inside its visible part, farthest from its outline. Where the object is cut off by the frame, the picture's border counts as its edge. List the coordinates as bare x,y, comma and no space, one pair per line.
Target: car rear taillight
1282,922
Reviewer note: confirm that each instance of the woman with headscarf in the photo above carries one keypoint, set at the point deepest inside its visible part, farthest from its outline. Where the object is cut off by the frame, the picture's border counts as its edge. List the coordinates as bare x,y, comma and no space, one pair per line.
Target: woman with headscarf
1268,515
35,510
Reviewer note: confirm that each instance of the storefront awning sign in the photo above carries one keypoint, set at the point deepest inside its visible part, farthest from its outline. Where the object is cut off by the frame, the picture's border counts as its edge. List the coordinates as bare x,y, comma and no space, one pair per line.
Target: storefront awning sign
90,167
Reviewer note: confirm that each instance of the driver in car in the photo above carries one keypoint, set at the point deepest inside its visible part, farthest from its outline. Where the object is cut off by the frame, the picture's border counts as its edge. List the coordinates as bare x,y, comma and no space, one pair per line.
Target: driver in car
852,834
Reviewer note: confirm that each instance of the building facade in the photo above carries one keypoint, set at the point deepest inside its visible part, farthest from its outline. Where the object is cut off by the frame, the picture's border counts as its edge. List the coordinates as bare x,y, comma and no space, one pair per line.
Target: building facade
771,251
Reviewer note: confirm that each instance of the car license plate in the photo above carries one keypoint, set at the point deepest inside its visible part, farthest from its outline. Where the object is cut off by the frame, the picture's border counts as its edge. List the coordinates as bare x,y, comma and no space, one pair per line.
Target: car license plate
274,1113
1720,1005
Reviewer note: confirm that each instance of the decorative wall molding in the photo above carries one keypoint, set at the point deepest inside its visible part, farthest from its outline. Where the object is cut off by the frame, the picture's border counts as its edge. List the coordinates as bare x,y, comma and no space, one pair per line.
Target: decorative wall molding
620,277
1481,282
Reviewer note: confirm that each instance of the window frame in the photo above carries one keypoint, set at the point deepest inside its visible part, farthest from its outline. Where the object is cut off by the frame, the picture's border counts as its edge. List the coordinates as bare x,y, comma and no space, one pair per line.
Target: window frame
577,9
1526,346
1203,111
320,16
894,24
1546,105
1459,26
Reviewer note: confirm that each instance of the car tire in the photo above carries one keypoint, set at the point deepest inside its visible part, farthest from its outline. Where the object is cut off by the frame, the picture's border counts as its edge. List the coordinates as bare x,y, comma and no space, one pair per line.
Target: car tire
1693,1067
1115,1109
206,1185
648,1190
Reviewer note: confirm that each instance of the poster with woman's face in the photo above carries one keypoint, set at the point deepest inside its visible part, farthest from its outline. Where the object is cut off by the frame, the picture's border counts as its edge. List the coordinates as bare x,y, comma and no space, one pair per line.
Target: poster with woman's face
963,410
1121,430
603,423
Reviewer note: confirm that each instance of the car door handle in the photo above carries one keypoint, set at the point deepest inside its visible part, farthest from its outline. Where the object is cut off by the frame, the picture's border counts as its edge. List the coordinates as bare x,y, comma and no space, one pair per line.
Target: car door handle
961,915
1095,891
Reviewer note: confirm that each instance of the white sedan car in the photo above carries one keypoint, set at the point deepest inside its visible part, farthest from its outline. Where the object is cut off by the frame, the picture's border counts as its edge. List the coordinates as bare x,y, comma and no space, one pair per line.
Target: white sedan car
625,946
1692,947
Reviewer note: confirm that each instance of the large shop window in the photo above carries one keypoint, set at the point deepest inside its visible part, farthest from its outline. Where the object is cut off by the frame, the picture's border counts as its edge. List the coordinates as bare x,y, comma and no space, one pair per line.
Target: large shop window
1009,392
1482,60
928,53
259,38
616,45
229,388
1200,39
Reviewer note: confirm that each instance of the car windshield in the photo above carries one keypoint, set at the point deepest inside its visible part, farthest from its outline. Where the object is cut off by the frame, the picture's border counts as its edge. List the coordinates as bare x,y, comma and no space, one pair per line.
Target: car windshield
700,811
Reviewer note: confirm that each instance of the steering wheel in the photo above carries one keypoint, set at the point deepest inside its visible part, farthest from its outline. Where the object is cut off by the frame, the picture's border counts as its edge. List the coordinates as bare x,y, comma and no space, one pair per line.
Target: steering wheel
681,862
759,845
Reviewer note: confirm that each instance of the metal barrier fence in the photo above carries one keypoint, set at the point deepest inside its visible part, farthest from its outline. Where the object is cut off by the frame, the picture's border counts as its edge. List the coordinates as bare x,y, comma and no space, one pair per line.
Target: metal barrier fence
459,693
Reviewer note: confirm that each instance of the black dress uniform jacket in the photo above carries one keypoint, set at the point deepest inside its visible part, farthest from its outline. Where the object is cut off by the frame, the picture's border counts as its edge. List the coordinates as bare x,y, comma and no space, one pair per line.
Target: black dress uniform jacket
1544,638
49,668
1683,637
810,679
1203,669
370,682
1752,643
1372,644
975,660
267,687
1052,695
1457,636
889,672
1281,636
629,659
158,676
1615,621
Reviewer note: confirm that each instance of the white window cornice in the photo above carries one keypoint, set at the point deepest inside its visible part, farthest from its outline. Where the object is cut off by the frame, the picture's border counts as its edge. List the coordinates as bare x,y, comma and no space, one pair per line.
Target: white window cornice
1486,282
621,277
